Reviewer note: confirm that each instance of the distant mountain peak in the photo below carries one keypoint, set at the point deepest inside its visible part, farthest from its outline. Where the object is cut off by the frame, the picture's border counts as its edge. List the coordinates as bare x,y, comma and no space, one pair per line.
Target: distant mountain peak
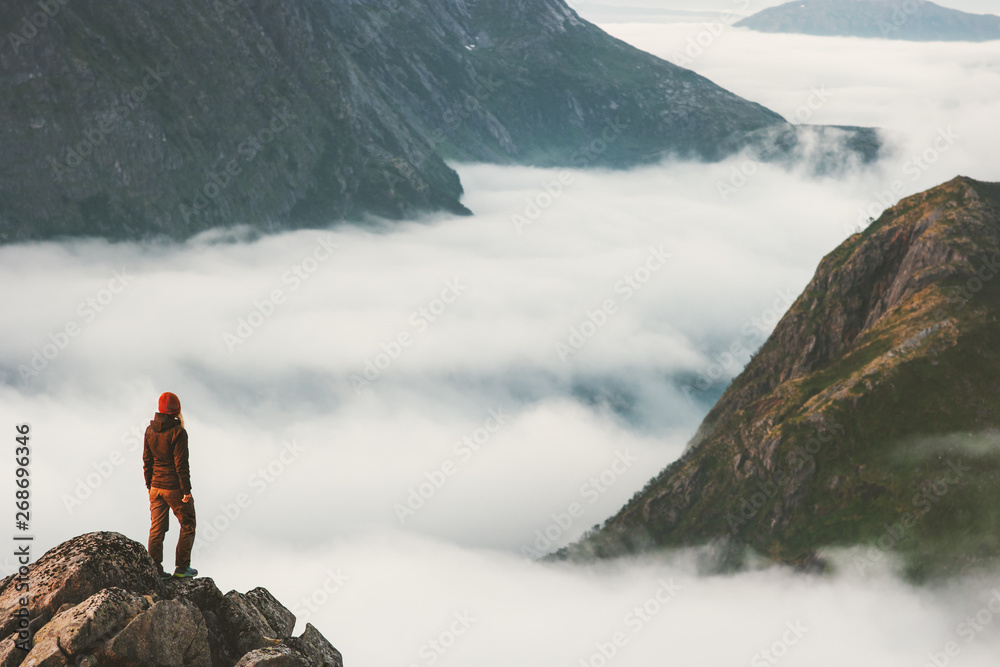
916,20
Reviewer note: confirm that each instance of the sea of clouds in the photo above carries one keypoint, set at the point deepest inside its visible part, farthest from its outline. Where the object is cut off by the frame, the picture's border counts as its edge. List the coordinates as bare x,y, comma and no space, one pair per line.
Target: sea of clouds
386,423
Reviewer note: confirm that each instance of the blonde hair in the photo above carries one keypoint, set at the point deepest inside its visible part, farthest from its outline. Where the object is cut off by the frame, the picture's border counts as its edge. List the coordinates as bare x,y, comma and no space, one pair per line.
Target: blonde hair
180,417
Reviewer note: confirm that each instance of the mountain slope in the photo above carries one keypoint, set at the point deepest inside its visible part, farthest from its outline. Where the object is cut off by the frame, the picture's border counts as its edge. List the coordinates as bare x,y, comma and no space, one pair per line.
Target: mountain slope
128,120
868,417
916,20
539,85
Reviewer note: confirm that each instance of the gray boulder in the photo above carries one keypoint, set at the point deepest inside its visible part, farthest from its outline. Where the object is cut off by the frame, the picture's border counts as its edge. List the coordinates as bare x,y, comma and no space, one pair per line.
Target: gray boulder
170,633
310,649
78,630
75,570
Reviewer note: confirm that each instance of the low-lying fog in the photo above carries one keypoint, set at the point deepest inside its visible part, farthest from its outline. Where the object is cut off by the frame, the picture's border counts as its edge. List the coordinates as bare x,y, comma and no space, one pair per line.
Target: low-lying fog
384,422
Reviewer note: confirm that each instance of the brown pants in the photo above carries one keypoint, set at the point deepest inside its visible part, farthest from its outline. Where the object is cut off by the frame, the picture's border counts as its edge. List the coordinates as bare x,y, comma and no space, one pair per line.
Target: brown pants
160,501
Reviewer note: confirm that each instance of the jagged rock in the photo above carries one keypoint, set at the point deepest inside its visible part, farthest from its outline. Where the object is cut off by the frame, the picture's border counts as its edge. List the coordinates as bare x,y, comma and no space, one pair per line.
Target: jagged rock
10,654
80,629
310,649
75,570
170,633
205,595
99,600
312,644
279,618
272,656
200,591
248,626
243,622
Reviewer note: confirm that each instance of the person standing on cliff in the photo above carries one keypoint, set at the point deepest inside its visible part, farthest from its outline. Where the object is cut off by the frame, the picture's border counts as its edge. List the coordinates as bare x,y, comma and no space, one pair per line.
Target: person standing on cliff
168,480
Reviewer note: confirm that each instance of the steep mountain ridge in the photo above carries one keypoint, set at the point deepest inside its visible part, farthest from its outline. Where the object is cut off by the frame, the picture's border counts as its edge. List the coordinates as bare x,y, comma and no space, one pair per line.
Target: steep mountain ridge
128,120
878,384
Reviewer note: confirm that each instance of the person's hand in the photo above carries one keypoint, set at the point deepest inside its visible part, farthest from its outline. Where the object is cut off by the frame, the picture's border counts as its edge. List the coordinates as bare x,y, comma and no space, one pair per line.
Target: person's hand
186,498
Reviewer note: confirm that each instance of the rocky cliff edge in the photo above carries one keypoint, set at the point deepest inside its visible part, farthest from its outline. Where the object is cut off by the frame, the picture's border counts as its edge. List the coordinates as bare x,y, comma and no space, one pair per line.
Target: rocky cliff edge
97,599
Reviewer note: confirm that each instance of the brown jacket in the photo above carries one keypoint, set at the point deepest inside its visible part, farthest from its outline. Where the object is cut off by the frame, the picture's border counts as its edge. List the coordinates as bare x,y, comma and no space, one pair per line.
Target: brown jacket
165,454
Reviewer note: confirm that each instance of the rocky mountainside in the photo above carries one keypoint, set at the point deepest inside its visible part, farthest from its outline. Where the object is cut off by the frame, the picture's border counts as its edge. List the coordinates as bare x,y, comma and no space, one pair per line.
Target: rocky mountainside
869,417
133,119
97,599
916,20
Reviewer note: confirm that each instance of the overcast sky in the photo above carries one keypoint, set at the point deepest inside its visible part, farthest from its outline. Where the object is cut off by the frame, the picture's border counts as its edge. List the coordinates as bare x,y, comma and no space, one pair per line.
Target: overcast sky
515,369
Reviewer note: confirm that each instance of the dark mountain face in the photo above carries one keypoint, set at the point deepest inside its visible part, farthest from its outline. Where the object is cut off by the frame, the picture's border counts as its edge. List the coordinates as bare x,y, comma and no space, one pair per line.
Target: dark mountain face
128,120
869,417
915,20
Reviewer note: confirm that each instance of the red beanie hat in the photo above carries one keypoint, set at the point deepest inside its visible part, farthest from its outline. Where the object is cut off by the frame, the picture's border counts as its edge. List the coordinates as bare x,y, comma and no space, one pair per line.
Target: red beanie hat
169,403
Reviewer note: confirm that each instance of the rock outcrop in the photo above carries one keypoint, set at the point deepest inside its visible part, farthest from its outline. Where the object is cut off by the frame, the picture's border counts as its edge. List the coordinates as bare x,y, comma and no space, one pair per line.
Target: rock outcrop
97,599
869,416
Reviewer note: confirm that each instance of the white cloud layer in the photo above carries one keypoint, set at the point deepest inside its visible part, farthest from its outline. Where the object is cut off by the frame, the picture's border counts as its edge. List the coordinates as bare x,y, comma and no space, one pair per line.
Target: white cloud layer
469,416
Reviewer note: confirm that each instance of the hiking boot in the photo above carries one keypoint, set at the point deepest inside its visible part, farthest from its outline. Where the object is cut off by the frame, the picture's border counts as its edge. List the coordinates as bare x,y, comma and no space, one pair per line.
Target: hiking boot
165,575
185,572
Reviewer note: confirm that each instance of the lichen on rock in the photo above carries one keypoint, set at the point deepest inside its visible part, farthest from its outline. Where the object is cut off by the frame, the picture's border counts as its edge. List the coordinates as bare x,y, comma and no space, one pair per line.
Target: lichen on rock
97,599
